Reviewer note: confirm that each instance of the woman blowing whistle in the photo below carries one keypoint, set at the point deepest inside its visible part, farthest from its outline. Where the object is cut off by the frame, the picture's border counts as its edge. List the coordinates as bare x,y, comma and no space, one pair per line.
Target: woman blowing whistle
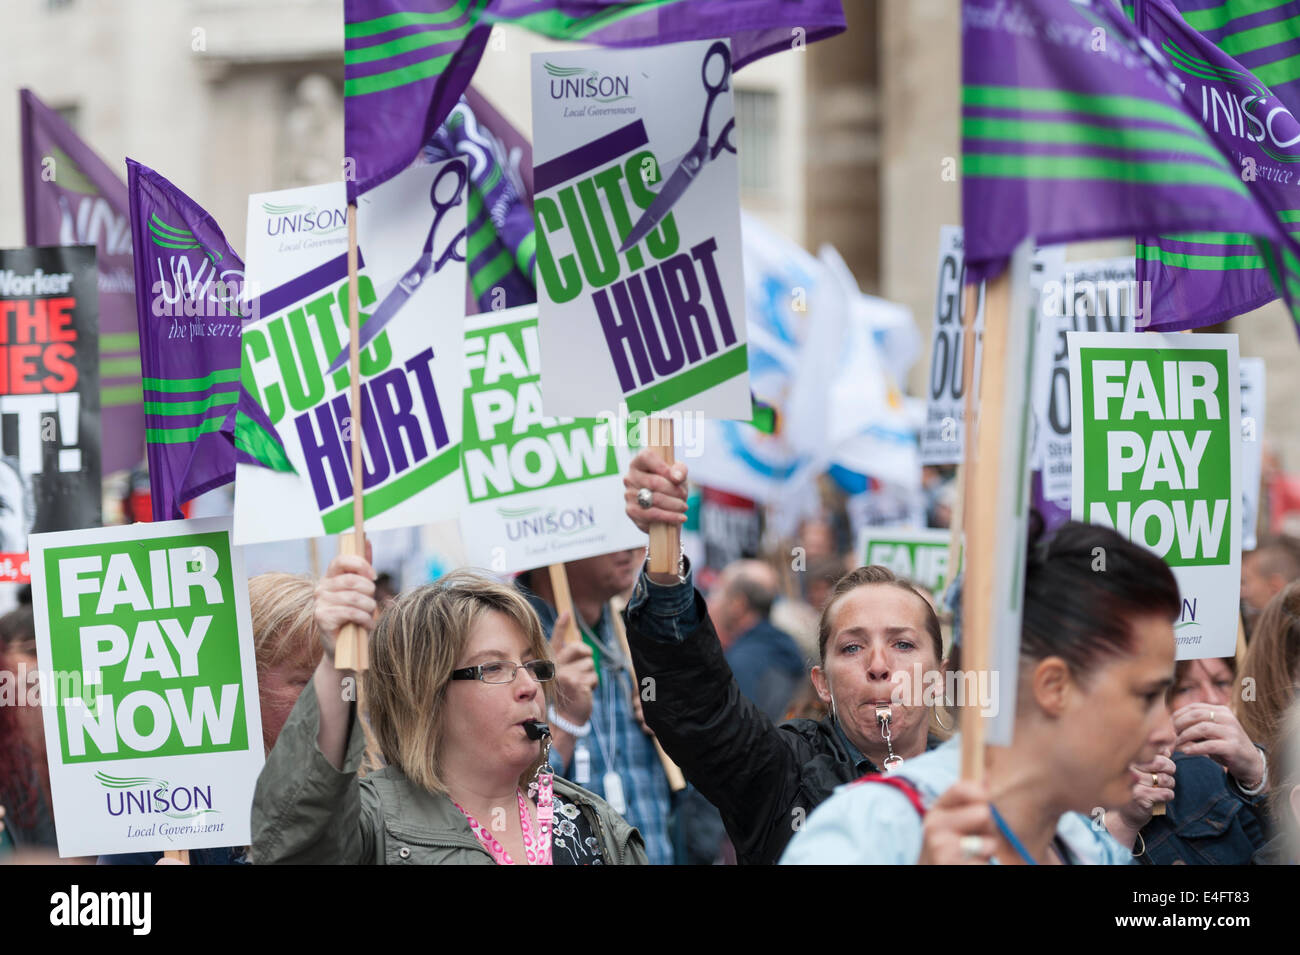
457,690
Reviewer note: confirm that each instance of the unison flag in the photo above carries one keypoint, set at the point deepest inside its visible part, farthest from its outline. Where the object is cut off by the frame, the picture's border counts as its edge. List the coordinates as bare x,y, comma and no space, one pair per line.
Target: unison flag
1262,35
71,197
1071,131
406,62
500,245
190,303
1204,277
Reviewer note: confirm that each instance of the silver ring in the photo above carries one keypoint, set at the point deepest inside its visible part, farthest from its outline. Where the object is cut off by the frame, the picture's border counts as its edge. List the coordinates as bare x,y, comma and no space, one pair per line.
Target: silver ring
646,498
971,846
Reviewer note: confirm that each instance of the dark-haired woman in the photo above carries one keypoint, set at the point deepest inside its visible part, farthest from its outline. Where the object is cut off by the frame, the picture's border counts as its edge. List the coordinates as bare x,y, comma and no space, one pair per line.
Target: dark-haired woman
24,772
880,660
1096,661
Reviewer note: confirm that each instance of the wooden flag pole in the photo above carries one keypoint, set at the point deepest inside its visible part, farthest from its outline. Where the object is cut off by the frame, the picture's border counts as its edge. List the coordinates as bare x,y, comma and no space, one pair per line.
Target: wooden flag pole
563,602
352,651
676,780
984,426
665,539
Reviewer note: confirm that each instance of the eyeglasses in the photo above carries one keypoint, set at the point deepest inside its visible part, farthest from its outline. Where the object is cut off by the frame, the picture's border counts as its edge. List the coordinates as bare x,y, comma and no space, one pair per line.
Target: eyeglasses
502,672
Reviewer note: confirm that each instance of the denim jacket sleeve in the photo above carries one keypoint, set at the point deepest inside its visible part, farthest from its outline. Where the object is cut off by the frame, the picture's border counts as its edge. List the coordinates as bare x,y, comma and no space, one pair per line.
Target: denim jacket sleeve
1209,822
304,810
664,612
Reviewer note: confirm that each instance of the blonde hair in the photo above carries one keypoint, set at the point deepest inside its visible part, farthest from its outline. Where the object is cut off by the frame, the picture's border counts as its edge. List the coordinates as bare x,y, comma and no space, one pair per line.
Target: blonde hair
1272,659
284,627
1284,775
413,651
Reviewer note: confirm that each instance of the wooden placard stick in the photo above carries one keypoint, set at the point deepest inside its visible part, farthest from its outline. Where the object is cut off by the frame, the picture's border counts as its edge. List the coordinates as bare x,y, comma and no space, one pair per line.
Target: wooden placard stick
982,437
665,539
352,651
563,602
676,780
180,855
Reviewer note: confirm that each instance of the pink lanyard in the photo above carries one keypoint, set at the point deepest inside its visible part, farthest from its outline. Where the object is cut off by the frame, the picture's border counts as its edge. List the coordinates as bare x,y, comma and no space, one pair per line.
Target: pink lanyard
539,854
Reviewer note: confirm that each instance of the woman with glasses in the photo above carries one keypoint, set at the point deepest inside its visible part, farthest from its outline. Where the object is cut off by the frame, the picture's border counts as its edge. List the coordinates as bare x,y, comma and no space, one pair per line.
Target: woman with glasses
456,693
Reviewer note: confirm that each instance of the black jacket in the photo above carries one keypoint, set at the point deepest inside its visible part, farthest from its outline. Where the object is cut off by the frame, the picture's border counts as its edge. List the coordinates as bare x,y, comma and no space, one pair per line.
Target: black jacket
764,779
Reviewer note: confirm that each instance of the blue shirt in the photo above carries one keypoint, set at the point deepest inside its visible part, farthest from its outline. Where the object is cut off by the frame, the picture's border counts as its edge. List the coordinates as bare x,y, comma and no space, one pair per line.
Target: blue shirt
617,741
871,824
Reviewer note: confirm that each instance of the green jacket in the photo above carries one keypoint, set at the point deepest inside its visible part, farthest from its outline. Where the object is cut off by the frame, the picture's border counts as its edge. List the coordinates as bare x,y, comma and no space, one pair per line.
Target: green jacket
307,812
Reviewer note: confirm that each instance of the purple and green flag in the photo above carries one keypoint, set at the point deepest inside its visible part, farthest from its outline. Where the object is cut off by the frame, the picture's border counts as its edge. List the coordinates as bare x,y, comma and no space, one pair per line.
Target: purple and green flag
1072,130
407,62
191,305
1205,277
500,244
71,197
1263,36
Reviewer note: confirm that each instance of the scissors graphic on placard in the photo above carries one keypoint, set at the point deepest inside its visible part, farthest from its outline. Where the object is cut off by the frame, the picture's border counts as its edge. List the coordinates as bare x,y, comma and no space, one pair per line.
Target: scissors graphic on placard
424,266
689,166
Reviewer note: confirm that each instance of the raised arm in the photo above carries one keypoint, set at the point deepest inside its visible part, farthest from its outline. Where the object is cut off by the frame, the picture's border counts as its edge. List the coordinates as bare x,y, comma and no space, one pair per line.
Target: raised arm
726,747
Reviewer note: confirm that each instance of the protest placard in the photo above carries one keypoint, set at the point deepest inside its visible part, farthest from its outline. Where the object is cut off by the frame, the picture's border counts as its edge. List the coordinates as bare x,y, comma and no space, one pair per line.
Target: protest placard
918,554
412,293
1157,456
49,397
640,288
148,685
541,490
1095,296
1253,403
943,434
942,438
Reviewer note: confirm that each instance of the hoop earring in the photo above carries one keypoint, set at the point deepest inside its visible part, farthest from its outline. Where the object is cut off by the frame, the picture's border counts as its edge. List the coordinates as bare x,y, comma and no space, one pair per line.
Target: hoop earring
935,708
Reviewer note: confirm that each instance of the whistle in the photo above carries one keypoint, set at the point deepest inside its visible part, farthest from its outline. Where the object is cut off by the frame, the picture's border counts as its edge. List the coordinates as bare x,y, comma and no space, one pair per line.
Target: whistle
536,729
883,714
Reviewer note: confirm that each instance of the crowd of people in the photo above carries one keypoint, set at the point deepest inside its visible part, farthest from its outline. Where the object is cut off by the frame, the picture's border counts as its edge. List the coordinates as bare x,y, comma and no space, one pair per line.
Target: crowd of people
771,720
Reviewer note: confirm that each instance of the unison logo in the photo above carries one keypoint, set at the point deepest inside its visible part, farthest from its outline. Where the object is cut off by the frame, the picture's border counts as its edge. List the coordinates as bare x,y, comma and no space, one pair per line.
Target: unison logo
141,795
291,219
522,523
577,82
170,237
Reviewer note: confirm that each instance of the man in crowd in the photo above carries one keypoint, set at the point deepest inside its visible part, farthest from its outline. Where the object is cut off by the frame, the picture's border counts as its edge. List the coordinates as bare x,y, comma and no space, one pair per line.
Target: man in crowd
765,661
1264,572
599,740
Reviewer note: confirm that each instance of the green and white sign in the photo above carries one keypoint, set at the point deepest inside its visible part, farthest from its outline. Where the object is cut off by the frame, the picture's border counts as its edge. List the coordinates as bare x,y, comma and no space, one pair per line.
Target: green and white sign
149,683
1157,456
541,490
918,554
637,206
413,288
